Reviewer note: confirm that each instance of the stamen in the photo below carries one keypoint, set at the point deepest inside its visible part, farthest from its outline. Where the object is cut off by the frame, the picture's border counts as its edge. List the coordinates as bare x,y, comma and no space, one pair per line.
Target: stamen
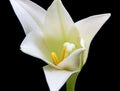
63,53
68,47
55,58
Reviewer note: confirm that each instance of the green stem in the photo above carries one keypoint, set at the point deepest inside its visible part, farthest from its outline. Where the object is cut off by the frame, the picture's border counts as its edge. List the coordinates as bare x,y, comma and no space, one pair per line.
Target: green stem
70,85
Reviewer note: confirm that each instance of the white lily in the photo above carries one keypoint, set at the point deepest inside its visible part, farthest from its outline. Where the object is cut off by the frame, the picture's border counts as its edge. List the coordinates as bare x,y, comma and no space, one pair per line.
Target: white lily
53,37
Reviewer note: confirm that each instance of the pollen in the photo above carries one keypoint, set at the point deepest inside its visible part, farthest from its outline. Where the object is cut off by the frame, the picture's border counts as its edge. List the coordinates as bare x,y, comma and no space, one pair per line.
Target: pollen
55,59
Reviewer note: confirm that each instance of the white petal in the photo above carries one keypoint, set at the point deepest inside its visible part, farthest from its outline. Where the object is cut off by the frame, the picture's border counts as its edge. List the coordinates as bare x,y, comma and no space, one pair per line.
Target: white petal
30,14
56,78
34,45
58,21
88,27
74,37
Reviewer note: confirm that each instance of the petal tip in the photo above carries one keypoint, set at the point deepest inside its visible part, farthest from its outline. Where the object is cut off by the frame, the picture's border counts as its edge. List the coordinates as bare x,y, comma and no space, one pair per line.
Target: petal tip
107,15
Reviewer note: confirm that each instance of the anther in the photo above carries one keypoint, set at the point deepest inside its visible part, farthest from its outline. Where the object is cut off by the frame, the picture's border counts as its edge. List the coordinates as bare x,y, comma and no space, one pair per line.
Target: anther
55,58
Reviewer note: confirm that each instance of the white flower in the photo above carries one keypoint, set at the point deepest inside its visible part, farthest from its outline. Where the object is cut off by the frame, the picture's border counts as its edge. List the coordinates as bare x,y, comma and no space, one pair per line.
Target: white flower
53,37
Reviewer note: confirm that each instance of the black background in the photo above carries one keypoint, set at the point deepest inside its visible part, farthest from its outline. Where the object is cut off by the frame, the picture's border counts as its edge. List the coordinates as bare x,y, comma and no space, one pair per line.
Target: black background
25,72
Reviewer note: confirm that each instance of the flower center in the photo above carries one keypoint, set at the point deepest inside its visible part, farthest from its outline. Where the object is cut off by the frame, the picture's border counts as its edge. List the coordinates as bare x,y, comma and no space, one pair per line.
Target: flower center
68,47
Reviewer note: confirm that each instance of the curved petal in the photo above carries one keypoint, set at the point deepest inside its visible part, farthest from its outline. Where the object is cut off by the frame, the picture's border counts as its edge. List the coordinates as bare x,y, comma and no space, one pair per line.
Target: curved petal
58,20
74,61
31,15
34,45
56,78
88,27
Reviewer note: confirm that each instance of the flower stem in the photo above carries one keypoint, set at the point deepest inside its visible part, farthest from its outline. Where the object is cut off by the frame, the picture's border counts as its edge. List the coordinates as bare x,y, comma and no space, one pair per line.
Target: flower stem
70,85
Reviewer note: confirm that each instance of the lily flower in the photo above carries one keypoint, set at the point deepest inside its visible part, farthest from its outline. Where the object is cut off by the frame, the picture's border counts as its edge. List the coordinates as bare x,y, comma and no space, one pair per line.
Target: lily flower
52,36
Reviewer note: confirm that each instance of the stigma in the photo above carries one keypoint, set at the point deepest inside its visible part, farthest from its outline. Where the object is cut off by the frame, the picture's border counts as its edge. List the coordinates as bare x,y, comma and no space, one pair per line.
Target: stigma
67,48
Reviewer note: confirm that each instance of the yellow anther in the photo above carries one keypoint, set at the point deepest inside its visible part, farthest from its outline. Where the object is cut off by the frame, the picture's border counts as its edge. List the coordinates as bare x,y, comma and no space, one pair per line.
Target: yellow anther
55,58
63,53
